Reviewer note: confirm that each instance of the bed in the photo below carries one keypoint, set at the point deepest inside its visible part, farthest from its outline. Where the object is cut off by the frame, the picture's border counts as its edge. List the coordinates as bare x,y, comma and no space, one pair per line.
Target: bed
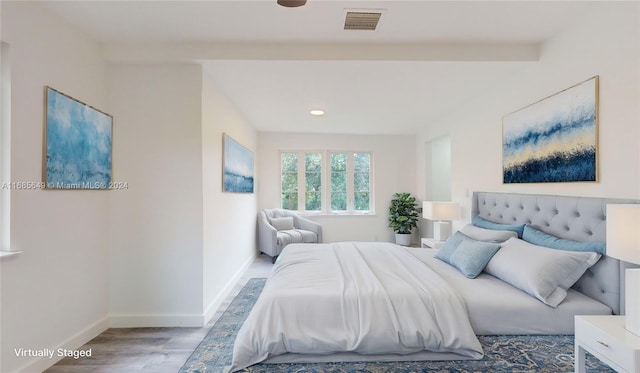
359,301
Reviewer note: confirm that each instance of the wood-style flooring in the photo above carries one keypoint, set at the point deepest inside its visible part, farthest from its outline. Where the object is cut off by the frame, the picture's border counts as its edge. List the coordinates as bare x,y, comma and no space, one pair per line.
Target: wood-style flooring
155,350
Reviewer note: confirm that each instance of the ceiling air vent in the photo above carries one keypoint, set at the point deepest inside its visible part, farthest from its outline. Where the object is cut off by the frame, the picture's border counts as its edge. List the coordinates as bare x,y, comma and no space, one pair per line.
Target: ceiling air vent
362,20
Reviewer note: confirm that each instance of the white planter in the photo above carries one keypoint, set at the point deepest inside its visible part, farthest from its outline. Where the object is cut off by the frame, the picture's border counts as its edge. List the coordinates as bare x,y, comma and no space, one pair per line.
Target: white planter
403,239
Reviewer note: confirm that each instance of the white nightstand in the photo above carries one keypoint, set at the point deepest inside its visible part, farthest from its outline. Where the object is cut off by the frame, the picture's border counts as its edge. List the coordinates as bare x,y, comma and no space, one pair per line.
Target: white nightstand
606,338
430,243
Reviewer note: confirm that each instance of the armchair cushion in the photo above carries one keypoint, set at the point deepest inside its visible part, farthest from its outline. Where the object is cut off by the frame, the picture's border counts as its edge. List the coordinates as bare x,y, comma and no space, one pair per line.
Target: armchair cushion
282,224
295,236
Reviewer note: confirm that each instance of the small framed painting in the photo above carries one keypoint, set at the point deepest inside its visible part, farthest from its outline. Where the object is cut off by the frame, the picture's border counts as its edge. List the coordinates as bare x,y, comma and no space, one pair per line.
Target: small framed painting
555,139
237,167
77,144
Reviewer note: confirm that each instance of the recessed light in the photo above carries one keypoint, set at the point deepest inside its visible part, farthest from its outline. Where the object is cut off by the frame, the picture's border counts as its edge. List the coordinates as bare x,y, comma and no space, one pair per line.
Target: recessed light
317,112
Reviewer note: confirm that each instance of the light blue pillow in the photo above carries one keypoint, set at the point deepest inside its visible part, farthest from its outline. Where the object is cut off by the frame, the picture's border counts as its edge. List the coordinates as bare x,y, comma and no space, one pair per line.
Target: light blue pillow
484,223
540,238
449,247
472,256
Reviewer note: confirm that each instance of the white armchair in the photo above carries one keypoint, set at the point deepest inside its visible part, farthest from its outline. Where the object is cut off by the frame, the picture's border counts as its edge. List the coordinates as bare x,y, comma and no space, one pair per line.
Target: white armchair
278,227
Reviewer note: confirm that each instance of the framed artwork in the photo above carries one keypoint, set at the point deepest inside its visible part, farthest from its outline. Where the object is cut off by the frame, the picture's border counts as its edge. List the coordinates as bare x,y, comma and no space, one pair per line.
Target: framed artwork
237,167
555,139
77,144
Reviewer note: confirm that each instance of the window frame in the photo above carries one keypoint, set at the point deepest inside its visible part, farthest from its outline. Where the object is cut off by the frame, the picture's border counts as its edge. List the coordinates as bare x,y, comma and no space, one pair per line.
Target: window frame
5,151
325,178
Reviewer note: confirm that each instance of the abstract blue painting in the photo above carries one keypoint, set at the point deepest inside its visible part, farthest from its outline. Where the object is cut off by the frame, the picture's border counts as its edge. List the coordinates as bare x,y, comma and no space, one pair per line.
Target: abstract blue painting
553,140
77,144
237,173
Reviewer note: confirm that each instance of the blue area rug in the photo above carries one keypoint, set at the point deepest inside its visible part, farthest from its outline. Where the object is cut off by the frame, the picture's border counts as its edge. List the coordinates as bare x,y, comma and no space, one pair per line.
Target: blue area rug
551,354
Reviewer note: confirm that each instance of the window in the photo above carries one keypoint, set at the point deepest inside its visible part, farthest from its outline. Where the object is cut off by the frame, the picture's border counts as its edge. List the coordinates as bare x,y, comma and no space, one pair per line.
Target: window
338,182
361,186
289,180
313,181
327,182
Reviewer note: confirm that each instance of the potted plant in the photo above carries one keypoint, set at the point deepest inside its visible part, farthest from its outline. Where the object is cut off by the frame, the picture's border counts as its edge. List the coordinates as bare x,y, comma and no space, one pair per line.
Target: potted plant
403,217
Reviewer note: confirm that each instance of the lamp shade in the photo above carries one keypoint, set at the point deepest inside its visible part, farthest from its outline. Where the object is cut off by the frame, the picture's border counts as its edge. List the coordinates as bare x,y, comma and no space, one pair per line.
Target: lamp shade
440,210
623,232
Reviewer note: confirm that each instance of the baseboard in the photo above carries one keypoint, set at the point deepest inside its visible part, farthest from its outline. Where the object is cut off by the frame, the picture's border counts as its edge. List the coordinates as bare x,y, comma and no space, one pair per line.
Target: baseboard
155,321
215,304
72,343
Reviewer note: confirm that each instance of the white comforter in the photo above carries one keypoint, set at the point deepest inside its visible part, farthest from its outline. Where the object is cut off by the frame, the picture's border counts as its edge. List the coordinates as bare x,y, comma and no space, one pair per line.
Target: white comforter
367,298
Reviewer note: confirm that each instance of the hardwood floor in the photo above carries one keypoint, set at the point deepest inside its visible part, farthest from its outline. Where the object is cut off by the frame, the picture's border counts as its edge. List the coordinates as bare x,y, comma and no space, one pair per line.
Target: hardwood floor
154,350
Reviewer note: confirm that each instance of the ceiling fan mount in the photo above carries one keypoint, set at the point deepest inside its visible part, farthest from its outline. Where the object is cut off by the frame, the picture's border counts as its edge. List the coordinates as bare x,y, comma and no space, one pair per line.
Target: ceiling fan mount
292,3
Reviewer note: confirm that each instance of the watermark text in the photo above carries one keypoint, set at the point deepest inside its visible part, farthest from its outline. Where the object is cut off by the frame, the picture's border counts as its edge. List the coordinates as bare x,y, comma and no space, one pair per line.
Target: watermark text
50,353
34,185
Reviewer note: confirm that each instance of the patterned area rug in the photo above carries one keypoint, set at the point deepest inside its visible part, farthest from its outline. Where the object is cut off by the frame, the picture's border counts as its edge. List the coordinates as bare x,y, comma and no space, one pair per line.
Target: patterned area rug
552,354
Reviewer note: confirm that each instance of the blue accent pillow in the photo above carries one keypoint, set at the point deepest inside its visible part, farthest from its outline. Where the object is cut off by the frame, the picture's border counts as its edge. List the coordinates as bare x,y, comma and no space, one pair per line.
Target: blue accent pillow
484,223
449,247
540,238
472,256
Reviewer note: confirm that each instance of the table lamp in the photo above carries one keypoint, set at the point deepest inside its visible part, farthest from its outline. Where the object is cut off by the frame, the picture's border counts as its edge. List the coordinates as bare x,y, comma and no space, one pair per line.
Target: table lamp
623,242
442,213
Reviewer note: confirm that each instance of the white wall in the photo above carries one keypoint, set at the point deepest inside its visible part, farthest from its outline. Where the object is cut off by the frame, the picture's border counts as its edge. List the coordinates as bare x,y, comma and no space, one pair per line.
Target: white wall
178,243
394,167
54,294
606,43
229,219
156,228
440,186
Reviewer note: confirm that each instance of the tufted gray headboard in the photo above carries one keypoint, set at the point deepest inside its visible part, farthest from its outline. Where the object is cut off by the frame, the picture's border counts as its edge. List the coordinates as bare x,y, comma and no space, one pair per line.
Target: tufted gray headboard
574,218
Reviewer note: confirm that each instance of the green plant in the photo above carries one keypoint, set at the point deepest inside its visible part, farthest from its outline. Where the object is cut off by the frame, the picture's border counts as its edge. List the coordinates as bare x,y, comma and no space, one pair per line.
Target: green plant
403,213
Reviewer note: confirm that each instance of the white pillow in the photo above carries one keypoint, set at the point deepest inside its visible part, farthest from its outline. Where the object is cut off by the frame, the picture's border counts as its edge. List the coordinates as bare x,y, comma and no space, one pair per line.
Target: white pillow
540,271
282,224
487,235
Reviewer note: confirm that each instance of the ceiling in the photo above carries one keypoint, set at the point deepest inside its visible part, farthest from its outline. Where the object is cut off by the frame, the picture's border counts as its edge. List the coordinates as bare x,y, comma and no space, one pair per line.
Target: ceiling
425,59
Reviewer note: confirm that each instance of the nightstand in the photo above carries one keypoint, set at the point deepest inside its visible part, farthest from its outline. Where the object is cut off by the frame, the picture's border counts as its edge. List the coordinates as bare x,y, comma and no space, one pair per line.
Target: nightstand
606,338
430,243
